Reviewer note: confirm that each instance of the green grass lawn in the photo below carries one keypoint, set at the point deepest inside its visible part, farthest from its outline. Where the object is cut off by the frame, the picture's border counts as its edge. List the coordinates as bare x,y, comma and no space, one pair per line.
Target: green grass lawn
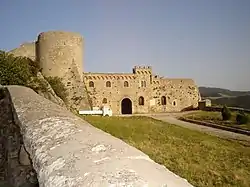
202,159
215,117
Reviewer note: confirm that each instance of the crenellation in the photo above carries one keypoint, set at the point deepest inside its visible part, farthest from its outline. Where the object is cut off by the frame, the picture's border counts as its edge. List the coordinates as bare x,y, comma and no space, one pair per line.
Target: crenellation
60,54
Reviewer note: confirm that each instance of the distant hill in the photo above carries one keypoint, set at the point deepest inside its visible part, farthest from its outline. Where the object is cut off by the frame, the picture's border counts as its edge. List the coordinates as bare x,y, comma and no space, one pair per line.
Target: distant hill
220,92
226,97
239,101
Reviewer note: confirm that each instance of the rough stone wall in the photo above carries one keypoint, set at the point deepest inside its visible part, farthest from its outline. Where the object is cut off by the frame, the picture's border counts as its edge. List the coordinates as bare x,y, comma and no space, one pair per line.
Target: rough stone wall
15,165
26,49
117,92
61,54
180,94
66,151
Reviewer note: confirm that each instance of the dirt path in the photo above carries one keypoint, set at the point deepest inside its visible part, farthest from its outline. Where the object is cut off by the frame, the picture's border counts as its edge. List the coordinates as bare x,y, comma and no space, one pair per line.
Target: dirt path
171,118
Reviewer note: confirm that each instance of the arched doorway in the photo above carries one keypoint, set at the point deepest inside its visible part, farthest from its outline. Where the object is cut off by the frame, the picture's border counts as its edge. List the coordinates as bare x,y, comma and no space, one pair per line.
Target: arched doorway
126,106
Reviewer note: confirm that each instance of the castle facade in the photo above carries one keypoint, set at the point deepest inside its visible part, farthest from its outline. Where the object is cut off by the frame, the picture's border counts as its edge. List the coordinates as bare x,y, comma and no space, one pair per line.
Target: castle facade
60,54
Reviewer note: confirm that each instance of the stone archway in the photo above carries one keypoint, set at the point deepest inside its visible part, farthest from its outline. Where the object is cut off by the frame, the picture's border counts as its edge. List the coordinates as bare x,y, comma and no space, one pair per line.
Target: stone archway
126,106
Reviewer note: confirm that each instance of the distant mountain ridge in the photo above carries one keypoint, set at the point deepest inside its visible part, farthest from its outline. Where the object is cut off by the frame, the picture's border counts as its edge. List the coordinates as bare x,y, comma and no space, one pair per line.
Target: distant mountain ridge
220,92
226,97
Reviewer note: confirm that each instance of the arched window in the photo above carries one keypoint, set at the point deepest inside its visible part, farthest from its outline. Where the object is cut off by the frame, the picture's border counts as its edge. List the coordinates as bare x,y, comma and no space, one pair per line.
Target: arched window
141,100
174,103
104,101
125,83
143,83
163,100
108,84
91,84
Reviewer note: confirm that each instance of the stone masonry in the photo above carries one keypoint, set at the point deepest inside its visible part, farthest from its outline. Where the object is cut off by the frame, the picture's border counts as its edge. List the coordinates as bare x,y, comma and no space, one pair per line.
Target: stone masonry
141,92
60,54
16,168
66,151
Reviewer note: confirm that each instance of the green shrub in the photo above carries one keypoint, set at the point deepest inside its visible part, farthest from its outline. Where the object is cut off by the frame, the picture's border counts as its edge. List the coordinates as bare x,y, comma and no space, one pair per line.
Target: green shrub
37,85
58,86
226,113
241,118
16,70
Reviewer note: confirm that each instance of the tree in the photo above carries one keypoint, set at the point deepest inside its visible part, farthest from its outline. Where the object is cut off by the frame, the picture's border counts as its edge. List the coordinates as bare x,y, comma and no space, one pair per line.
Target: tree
226,113
241,118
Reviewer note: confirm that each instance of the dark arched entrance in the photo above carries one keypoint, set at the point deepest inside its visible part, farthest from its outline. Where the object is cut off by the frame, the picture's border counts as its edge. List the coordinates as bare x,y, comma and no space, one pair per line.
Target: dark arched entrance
126,106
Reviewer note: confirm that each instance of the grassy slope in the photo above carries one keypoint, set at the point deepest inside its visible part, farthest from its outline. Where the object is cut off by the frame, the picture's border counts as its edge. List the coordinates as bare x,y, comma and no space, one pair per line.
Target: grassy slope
202,159
215,117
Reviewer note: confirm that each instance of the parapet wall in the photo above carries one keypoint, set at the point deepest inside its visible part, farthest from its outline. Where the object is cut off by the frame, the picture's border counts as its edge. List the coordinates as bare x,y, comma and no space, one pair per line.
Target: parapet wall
15,164
66,151
25,49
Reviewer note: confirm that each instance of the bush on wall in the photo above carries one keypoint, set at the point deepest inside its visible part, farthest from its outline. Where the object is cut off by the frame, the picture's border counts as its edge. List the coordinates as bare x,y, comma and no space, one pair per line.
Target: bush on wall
23,71
16,70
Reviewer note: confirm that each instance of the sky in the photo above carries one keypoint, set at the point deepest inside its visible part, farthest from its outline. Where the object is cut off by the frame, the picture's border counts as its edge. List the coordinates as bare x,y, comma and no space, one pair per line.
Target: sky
206,40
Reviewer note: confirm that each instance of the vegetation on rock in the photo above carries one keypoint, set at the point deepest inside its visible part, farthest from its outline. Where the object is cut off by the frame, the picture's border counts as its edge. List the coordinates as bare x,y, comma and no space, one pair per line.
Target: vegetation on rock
58,86
16,70
24,71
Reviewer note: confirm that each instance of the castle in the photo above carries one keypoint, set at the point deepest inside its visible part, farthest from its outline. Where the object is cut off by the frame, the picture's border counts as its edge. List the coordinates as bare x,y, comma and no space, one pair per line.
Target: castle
60,54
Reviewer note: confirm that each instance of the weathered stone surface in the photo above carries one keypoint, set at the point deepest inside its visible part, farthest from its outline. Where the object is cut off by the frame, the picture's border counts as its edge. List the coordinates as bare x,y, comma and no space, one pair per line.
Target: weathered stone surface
67,151
26,49
13,171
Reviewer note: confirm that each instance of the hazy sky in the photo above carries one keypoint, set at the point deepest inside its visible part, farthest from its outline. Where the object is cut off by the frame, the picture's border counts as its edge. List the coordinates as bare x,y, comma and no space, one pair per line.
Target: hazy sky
207,40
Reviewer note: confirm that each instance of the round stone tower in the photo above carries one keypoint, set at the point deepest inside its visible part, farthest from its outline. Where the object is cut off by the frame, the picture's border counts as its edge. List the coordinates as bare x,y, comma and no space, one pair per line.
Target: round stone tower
60,54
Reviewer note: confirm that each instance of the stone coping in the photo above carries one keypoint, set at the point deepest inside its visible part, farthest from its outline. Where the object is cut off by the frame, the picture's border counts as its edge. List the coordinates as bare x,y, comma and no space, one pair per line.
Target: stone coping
66,151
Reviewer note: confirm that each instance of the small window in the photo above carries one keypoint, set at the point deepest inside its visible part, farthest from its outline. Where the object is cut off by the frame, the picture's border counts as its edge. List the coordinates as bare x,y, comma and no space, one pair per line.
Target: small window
91,84
125,83
104,101
108,84
143,83
163,100
141,100
174,103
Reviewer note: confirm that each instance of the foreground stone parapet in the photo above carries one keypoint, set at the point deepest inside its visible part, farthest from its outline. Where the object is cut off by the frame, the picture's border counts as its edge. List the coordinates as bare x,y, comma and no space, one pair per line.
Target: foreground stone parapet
67,151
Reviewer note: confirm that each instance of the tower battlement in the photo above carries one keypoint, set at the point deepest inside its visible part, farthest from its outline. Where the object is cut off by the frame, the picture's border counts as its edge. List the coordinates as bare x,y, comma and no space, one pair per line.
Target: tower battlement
142,70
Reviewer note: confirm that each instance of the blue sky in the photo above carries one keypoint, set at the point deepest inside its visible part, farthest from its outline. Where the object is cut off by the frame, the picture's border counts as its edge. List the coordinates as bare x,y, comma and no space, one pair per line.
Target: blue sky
207,40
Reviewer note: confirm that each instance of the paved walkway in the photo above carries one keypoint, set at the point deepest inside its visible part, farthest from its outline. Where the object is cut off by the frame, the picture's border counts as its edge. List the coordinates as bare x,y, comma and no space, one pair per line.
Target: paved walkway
209,130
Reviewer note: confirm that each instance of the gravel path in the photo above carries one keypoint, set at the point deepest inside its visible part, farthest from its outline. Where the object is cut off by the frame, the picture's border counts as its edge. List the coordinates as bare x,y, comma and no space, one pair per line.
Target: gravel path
171,118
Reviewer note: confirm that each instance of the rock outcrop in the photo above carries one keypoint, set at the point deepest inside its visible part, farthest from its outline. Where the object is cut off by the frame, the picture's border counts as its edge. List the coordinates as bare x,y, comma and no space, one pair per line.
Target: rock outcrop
49,93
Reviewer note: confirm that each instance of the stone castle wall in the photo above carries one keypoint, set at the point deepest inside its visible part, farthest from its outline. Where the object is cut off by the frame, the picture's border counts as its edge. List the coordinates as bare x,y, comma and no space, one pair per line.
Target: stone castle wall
61,54
179,94
25,49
